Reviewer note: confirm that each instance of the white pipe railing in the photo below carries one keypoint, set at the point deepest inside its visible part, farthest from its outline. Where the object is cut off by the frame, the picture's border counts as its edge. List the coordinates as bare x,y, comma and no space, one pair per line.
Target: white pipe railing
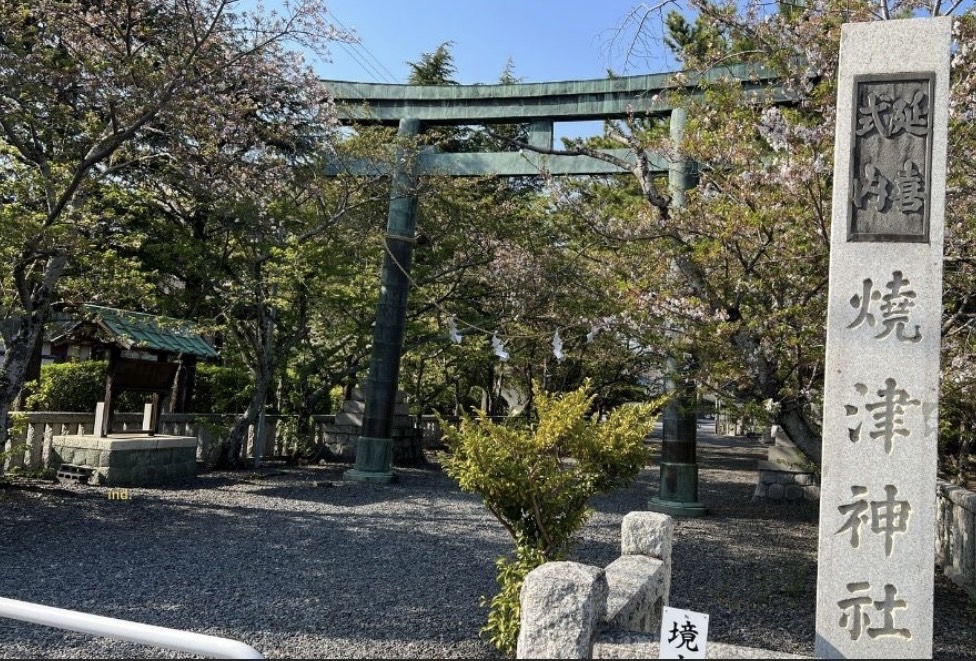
110,627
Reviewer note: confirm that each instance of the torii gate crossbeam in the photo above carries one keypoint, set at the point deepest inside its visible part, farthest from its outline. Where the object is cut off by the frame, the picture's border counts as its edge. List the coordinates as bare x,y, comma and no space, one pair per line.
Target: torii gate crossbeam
414,107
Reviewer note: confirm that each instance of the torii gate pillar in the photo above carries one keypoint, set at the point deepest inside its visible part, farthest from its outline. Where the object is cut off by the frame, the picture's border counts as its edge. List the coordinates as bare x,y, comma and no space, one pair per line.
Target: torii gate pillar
678,491
374,448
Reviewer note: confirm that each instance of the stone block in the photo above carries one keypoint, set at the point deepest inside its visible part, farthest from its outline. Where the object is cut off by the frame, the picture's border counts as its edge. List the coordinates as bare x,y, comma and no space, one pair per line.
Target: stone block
761,490
780,437
804,479
811,492
635,600
786,478
776,491
871,246
786,457
342,430
354,406
176,442
963,540
793,492
61,455
562,604
136,475
185,455
349,420
647,533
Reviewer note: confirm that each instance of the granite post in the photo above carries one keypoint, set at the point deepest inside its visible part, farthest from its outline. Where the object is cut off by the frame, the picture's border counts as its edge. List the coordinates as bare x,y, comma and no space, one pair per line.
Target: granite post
881,392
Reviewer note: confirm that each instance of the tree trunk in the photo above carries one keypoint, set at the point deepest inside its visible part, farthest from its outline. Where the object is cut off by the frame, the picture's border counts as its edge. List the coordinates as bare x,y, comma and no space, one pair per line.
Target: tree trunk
17,359
32,373
13,369
794,422
230,456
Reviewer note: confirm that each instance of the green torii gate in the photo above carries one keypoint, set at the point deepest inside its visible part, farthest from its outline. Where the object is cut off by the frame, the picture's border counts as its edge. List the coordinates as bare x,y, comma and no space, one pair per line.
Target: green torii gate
414,107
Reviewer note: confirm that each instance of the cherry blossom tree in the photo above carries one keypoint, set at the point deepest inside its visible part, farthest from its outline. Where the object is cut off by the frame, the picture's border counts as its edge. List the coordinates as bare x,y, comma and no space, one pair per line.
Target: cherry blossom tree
94,91
751,245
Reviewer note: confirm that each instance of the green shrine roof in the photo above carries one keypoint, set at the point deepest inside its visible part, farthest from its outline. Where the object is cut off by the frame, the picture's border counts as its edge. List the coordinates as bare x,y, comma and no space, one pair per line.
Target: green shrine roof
138,330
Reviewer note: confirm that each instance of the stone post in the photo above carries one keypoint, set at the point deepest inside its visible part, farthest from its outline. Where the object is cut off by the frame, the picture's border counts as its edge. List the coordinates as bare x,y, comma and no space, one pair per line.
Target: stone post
881,391
563,604
374,447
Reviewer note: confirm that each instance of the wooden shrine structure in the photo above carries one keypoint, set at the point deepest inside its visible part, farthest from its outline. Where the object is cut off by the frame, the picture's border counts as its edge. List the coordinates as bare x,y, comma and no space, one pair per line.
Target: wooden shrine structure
146,354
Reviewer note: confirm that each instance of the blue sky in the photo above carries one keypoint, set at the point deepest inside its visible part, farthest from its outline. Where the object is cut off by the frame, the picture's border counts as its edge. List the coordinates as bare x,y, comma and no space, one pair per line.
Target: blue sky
547,39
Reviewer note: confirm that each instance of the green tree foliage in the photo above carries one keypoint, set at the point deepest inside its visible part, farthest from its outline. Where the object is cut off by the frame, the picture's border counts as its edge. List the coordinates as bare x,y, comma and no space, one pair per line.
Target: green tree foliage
741,270
78,386
957,408
435,68
537,479
221,389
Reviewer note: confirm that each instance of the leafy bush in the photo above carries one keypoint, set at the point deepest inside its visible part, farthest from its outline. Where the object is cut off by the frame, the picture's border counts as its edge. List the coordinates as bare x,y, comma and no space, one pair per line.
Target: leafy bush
77,387
505,608
537,479
73,387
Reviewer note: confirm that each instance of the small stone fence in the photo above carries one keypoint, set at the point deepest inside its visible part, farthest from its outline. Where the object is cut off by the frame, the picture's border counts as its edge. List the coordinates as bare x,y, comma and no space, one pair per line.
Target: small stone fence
29,446
565,605
576,611
956,535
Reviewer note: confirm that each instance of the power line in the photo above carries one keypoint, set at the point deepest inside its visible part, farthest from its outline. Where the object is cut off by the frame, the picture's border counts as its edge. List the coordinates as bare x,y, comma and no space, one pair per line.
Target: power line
367,66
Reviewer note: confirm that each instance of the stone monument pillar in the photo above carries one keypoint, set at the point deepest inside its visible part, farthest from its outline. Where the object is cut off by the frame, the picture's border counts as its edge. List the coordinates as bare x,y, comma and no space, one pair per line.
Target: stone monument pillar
881,392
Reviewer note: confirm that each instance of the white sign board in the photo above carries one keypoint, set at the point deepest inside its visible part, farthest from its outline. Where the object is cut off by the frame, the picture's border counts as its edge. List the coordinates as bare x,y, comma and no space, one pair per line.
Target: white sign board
684,634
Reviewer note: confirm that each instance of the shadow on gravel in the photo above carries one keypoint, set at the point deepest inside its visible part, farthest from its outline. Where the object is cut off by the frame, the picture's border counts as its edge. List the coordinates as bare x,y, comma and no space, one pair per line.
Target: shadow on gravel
357,562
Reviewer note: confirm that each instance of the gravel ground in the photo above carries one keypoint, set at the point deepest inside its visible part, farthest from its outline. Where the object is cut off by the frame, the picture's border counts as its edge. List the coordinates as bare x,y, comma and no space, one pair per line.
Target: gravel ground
300,564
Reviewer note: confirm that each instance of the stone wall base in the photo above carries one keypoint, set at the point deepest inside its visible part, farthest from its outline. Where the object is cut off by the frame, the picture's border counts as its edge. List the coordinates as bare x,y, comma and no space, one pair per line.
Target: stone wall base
785,485
341,437
956,535
786,474
128,460
408,445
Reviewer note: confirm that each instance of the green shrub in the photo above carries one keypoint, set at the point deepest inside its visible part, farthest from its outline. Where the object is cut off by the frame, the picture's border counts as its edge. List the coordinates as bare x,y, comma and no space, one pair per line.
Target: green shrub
74,387
505,608
537,480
